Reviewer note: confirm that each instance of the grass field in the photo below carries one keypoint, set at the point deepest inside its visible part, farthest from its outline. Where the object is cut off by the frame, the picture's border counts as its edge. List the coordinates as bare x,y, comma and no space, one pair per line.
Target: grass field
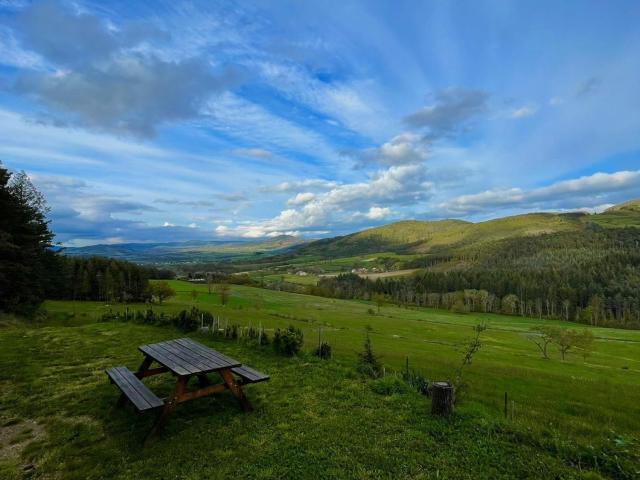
573,419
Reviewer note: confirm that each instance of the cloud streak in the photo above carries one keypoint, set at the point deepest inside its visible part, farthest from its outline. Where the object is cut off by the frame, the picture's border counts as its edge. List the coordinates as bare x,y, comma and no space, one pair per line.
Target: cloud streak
586,191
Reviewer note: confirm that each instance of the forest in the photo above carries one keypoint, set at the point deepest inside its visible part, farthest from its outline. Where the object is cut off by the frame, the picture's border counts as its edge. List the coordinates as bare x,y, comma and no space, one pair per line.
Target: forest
32,269
103,279
590,278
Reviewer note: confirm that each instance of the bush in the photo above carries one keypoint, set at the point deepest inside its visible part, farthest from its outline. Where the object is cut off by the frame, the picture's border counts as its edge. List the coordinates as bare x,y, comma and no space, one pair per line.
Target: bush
323,351
288,342
389,385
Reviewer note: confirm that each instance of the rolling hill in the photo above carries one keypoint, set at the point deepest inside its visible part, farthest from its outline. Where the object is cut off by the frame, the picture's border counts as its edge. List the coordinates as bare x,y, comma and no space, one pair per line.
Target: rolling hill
457,236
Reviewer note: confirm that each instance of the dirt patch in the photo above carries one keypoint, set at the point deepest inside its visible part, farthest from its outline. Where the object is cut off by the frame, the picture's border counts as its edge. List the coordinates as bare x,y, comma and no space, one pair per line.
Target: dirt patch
17,434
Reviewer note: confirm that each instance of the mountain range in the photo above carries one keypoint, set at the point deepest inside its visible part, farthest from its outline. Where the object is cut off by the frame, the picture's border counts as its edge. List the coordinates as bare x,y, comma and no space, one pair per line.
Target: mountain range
405,237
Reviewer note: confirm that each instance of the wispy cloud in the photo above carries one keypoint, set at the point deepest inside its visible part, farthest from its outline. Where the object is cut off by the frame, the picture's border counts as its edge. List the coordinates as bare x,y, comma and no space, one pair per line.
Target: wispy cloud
586,191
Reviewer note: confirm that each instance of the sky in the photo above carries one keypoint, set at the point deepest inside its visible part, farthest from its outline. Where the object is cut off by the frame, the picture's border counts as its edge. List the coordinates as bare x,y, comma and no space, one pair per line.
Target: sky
155,121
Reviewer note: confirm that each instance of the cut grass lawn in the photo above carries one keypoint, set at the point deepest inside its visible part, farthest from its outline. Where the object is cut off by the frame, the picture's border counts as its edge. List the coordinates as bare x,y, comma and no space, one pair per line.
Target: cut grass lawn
319,419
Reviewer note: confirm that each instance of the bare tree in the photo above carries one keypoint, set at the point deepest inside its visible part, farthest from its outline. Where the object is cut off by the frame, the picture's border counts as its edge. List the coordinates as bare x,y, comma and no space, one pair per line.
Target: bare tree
542,337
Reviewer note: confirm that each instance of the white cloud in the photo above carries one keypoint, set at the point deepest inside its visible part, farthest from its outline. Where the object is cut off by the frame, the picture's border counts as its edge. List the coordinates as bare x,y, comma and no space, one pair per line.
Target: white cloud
402,149
524,111
301,198
587,191
378,213
398,185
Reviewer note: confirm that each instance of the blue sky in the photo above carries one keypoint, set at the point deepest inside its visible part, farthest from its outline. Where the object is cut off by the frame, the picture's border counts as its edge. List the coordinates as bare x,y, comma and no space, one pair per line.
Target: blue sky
169,121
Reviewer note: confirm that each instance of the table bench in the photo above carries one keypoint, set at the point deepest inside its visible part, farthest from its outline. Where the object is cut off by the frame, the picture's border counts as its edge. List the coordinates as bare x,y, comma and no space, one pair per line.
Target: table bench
185,359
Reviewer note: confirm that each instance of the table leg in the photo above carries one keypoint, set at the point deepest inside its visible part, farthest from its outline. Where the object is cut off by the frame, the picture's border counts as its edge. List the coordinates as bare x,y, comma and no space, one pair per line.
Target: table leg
236,389
169,406
144,366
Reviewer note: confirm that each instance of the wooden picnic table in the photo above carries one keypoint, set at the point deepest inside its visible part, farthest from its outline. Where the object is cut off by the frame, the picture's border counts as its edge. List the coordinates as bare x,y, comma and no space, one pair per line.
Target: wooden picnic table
185,359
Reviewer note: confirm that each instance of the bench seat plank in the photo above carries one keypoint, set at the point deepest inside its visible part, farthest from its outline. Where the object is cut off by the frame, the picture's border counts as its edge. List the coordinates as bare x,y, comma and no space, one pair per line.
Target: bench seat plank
249,375
136,391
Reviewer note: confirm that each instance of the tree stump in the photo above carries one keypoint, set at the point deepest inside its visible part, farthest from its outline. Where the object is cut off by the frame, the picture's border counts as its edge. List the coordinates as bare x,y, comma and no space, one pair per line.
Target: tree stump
441,398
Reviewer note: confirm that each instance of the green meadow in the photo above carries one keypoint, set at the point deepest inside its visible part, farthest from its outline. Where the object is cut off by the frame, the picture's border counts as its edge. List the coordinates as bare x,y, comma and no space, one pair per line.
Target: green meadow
577,418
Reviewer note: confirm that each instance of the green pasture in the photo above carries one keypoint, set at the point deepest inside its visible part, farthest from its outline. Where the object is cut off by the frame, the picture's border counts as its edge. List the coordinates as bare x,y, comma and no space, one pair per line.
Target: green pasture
576,418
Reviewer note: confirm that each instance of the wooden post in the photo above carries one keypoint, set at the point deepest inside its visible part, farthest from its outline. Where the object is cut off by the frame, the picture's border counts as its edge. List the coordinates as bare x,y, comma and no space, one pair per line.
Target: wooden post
441,398
505,405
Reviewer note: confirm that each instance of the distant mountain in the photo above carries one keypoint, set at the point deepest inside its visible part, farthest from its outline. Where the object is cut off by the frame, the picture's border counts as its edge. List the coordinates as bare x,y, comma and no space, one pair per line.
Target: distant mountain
456,236
189,252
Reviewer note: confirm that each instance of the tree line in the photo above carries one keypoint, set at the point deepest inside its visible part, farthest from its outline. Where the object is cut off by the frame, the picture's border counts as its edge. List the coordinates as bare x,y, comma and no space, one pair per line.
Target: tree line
100,279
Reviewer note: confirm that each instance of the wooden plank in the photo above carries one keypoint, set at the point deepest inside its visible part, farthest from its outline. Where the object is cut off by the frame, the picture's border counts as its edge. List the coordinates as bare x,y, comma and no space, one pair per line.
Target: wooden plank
119,379
222,360
141,388
185,359
195,359
212,355
167,360
249,374
134,389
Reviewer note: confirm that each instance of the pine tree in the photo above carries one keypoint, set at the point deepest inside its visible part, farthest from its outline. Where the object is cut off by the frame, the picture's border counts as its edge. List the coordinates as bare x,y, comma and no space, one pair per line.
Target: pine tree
25,239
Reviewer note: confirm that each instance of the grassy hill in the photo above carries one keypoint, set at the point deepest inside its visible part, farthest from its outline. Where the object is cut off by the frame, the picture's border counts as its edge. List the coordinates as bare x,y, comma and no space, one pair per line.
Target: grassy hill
630,206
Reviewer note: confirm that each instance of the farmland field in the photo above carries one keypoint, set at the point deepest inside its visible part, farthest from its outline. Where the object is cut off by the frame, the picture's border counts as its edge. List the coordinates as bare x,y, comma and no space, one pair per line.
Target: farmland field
572,418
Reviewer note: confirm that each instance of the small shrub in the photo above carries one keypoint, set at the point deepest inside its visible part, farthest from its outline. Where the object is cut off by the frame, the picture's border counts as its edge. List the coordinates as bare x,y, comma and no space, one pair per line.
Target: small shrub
389,385
288,342
368,362
371,311
323,351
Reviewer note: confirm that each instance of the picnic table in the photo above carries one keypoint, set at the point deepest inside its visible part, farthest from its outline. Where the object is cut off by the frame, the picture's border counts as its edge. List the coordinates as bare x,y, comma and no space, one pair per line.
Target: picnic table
185,359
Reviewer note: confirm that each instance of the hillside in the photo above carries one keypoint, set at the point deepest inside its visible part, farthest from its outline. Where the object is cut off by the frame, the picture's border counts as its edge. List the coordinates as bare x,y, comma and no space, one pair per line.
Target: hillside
59,418
630,206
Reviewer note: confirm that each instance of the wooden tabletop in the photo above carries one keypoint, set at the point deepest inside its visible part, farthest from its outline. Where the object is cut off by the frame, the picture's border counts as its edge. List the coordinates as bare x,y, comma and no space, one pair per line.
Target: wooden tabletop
184,356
